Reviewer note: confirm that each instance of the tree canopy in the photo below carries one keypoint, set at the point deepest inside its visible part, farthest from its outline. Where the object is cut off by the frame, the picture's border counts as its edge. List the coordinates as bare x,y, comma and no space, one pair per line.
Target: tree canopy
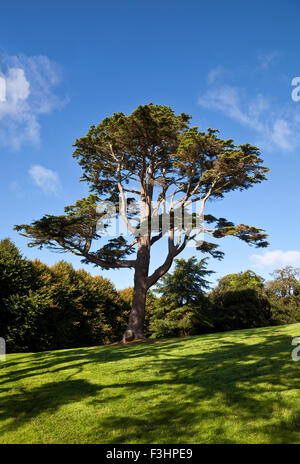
240,281
187,283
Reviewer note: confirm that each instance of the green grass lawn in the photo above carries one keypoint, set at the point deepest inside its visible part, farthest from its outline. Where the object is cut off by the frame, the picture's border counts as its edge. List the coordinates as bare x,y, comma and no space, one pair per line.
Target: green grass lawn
234,387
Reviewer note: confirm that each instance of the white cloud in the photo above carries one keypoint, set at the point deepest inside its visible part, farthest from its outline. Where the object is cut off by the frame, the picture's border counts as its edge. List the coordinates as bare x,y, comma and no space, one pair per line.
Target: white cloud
275,127
282,134
46,179
276,259
29,84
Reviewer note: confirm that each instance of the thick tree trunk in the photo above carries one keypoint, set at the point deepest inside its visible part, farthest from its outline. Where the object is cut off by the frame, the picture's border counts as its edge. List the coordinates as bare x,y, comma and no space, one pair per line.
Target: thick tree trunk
135,328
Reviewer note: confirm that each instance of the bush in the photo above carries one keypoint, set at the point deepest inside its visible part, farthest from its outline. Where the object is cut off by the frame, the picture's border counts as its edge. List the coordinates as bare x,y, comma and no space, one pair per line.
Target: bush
240,309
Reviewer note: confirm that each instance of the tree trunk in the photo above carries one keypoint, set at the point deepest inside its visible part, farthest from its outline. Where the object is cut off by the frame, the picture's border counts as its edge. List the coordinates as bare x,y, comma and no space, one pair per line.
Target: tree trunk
135,328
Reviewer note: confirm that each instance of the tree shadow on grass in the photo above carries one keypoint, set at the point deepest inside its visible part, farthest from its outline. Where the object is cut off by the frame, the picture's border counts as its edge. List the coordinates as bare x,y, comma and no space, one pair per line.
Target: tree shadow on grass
236,384
25,405
178,396
37,363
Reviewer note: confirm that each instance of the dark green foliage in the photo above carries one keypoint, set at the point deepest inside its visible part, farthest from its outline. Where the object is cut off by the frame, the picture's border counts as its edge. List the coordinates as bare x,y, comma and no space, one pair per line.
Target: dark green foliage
238,302
168,320
44,308
16,273
240,309
24,329
20,304
83,310
182,308
187,283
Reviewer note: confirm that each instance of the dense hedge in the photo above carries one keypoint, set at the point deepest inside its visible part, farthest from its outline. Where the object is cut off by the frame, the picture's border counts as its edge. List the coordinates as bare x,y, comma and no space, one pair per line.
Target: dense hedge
45,308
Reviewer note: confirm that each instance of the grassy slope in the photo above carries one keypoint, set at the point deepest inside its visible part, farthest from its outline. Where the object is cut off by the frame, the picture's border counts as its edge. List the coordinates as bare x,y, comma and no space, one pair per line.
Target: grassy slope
234,387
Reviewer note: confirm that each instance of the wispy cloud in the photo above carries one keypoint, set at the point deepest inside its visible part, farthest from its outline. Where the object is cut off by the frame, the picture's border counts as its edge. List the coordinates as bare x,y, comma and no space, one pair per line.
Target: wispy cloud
46,179
276,126
276,259
268,59
29,93
216,73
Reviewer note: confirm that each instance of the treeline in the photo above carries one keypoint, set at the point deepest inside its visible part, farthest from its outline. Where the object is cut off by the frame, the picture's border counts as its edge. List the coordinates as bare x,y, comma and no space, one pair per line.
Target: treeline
53,307
239,301
47,308
244,300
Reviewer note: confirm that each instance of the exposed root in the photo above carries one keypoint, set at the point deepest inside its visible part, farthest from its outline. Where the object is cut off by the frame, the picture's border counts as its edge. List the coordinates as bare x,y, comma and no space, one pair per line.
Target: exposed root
130,337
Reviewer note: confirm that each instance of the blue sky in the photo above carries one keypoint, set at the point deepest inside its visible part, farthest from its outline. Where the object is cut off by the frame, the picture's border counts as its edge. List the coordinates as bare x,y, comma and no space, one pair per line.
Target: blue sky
230,65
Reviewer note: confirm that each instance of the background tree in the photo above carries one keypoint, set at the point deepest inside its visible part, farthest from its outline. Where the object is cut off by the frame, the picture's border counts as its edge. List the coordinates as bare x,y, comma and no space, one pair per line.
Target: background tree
154,156
20,303
187,283
16,272
182,308
239,302
240,281
285,282
284,295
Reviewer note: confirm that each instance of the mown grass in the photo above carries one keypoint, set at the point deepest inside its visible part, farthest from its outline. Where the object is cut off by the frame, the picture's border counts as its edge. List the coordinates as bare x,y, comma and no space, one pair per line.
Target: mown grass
234,387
